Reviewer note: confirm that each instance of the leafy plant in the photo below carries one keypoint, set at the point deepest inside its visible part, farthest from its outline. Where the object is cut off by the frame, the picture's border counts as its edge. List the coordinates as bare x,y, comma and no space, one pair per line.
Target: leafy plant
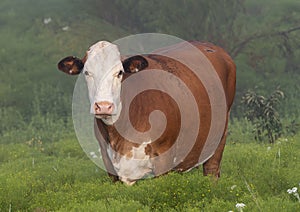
262,112
293,127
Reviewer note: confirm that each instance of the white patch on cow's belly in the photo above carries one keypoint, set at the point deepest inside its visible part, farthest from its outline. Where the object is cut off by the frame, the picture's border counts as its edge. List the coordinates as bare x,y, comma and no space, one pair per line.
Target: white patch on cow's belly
130,169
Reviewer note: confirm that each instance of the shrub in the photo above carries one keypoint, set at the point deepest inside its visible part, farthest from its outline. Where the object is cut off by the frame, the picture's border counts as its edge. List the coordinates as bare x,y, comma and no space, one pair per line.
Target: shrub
262,112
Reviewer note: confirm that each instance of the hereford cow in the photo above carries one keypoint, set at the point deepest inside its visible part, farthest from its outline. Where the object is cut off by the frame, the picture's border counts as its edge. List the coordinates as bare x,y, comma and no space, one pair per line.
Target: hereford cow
157,153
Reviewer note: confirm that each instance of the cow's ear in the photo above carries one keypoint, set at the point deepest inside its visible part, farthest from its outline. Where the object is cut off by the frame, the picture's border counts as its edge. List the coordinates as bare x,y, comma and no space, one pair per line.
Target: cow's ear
135,64
71,65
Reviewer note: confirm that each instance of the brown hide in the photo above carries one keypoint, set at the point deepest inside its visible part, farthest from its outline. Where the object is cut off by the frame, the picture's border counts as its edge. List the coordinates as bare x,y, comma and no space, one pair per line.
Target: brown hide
144,103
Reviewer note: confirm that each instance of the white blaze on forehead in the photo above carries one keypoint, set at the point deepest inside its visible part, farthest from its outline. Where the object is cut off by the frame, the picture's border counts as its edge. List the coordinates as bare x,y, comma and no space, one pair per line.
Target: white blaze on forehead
102,64
104,52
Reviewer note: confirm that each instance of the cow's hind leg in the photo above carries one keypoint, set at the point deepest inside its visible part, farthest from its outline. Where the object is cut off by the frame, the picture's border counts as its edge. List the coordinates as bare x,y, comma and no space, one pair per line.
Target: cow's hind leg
212,165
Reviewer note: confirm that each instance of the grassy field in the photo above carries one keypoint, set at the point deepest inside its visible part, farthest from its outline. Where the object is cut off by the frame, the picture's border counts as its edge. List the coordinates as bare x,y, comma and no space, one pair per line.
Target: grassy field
36,176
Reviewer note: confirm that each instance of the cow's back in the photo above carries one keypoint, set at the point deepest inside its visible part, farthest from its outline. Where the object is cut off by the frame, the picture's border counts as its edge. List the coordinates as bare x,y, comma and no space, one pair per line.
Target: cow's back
224,66
218,57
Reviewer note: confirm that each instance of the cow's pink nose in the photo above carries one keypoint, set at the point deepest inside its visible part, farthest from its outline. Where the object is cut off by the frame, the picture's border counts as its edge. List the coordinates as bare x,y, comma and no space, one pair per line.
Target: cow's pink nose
104,108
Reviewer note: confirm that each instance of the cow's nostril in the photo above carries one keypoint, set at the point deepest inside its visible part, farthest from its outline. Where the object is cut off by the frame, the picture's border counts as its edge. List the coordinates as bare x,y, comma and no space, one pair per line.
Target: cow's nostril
104,108
97,107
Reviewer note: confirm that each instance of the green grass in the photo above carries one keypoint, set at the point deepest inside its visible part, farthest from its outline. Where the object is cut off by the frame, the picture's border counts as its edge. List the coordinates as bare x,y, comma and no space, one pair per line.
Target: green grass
59,176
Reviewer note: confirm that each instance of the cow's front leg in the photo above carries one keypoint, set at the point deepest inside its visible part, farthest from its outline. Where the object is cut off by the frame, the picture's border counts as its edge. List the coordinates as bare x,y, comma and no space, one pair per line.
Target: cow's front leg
113,177
102,137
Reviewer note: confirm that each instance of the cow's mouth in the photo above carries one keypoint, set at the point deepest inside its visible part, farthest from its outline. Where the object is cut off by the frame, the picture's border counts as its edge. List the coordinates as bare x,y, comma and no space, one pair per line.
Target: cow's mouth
103,116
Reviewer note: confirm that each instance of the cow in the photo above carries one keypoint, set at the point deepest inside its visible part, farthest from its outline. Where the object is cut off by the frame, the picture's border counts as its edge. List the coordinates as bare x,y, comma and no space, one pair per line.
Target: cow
125,160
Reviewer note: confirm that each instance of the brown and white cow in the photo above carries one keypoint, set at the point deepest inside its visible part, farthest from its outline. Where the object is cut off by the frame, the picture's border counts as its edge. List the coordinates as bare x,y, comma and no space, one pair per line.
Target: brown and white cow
129,161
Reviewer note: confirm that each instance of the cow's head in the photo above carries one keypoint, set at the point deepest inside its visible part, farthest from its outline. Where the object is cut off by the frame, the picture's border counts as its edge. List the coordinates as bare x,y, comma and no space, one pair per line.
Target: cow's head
103,70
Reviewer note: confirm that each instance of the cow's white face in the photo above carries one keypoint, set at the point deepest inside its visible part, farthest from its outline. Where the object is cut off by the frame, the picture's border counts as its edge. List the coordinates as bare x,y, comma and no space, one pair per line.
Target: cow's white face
103,70
103,73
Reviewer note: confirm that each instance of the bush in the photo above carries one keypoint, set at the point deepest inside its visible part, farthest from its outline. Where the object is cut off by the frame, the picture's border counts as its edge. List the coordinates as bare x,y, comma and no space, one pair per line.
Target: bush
262,112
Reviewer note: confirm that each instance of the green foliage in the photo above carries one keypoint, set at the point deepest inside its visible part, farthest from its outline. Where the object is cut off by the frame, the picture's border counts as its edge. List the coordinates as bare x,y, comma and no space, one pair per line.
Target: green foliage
35,96
241,131
262,112
194,19
292,127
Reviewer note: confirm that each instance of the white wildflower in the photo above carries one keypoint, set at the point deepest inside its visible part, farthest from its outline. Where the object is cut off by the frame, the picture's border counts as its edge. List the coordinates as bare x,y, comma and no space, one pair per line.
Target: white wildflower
269,148
66,28
233,187
294,190
47,20
240,206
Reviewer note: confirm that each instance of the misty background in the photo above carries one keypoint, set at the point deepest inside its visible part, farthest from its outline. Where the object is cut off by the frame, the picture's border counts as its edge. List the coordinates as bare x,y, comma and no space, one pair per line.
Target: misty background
262,37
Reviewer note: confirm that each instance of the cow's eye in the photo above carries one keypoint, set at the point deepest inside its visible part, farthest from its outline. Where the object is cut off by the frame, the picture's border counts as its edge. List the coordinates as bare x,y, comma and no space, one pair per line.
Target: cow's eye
87,73
119,74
